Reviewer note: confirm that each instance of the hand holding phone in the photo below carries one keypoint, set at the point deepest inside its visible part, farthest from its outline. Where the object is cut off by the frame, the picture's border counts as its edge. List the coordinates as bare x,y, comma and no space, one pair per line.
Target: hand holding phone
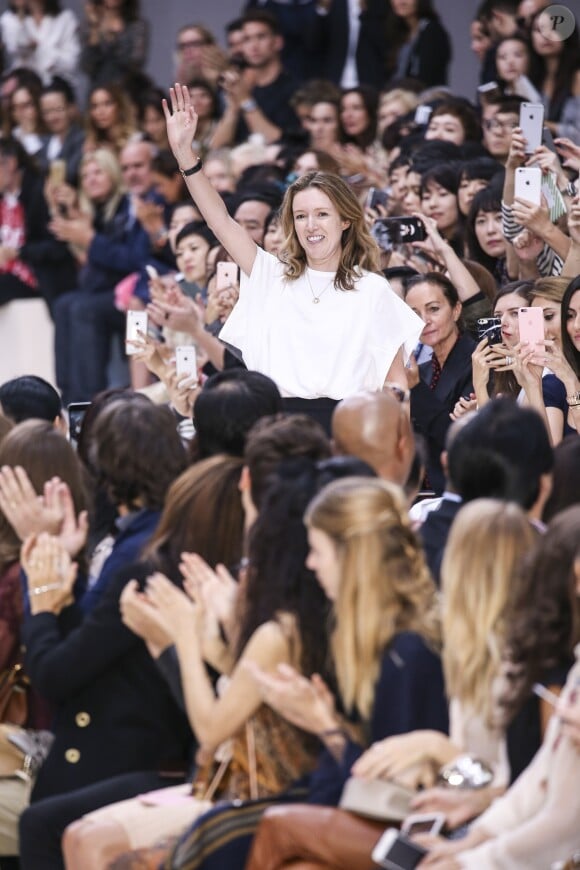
395,851
528,184
186,361
136,323
226,275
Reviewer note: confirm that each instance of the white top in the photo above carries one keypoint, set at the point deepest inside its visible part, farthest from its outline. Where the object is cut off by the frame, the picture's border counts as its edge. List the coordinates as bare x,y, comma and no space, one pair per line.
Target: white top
344,344
50,48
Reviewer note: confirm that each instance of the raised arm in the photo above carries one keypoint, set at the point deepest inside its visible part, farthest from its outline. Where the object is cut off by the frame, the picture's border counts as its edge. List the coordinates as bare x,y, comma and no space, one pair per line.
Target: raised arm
181,123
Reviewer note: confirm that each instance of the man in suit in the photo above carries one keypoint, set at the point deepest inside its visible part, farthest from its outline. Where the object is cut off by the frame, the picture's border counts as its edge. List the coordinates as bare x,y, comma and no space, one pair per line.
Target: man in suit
58,108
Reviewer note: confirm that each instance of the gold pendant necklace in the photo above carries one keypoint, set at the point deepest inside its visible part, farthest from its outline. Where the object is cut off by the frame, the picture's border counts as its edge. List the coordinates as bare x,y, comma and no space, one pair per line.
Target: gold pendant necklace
315,298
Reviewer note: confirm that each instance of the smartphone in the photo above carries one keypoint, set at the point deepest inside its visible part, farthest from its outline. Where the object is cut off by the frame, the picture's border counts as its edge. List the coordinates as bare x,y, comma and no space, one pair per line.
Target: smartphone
532,123
186,360
226,274
422,115
57,172
76,415
528,184
545,694
152,272
423,823
136,322
376,197
399,230
531,323
395,851
490,328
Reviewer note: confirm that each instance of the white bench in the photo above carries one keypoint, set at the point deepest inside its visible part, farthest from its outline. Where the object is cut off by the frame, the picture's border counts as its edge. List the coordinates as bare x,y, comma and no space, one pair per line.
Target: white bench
26,340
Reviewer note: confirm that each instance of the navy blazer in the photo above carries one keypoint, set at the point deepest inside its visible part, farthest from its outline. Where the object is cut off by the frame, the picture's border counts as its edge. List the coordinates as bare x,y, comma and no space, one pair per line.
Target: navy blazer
115,712
430,409
434,532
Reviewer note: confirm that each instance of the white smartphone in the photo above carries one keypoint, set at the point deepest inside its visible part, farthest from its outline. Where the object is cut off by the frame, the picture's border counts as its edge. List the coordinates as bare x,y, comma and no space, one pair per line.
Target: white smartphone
528,184
395,851
531,324
423,823
136,322
532,123
226,274
422,115
186,360
152,272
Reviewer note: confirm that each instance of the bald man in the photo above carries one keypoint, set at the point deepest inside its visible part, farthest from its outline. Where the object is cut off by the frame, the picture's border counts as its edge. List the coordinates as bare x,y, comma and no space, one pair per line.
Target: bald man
375,427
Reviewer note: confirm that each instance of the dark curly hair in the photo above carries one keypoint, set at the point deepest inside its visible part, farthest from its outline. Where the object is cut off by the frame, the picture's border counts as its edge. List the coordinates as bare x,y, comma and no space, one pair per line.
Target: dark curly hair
136,452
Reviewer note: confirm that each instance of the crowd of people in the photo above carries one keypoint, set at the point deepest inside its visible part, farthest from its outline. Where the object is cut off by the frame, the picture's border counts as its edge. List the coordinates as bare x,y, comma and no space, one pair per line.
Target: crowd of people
327,531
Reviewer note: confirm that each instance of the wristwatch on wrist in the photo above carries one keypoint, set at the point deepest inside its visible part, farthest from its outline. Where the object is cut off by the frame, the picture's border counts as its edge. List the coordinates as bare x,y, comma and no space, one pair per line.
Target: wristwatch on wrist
249,105
193,169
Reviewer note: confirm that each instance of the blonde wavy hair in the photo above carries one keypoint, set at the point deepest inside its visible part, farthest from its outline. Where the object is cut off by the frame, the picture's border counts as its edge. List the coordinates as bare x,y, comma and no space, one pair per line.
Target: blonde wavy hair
385,586
359,249
480,570
551,288
108,162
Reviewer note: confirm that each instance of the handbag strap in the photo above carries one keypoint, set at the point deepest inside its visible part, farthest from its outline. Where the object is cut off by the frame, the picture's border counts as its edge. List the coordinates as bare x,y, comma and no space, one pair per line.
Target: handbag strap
252,761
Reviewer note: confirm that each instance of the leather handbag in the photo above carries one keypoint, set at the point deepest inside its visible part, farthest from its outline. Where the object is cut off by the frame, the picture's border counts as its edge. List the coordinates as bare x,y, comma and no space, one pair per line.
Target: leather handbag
22,752
377,799
14,688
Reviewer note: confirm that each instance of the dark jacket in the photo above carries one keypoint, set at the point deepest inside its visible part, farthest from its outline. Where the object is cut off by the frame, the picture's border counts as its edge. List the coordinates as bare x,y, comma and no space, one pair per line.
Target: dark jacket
51,260
328,37
430,409
409,695
71,152
430,55
115,711
434,532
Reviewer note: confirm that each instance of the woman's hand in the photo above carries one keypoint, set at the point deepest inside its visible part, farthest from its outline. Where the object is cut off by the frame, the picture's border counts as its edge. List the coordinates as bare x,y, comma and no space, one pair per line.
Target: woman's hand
464,405
144,620
182,391
153,353
548,161
181,124
517,154
390,758
217,590
568,710
535,218
457,805
569,151
179,615
50,573
27,512
552,357
308,704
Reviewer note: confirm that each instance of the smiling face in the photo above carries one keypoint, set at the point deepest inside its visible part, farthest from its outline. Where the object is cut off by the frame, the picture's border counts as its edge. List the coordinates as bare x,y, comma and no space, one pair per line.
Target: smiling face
446,128
552,317
506,308
319,228
511,60
323,560
573,320
440,204
440,317
353,114
488,232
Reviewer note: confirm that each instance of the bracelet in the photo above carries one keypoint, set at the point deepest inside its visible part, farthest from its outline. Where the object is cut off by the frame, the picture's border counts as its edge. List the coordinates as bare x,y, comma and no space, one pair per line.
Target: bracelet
48,587
573,399
193,169
249,105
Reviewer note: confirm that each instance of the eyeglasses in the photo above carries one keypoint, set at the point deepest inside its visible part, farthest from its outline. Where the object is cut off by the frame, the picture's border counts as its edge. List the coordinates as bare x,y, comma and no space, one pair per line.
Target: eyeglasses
26,104
192,43
494,124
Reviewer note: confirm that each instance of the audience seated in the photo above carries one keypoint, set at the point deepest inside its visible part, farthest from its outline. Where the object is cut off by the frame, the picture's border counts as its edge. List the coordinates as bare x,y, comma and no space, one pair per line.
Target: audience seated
324,143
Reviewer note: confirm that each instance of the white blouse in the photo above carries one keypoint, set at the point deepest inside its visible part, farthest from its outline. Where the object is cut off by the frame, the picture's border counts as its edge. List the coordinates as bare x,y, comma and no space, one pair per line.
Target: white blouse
344,343
50,48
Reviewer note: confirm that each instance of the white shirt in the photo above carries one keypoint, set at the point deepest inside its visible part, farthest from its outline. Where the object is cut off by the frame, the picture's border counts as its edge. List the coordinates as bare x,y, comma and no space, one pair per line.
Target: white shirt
344,344
50,48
